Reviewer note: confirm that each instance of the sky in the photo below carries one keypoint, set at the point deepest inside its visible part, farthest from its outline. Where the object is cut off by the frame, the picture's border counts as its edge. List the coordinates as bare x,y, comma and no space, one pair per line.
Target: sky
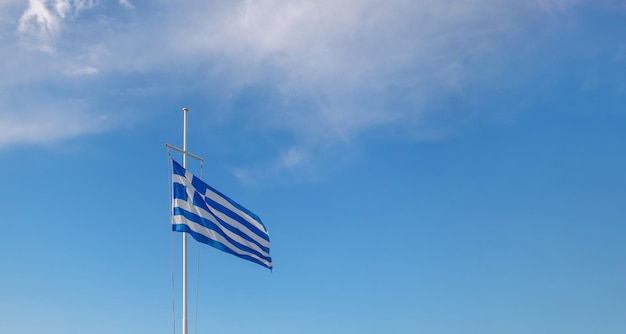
422,166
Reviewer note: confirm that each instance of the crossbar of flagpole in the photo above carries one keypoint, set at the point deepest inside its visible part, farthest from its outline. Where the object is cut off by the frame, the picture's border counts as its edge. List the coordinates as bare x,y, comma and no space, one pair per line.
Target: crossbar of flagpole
183,152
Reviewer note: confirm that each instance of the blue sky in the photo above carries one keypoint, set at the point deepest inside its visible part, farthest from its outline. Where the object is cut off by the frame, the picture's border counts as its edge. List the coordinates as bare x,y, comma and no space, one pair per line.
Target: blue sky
421,166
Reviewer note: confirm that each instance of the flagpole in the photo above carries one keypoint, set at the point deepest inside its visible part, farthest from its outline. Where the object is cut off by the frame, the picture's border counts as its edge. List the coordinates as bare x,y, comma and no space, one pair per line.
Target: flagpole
185,110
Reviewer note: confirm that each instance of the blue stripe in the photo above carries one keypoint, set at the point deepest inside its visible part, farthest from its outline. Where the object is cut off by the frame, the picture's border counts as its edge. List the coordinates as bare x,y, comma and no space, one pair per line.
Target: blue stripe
203,239
205,186
199,201
212,226
237,218
178,169
202,187
180,192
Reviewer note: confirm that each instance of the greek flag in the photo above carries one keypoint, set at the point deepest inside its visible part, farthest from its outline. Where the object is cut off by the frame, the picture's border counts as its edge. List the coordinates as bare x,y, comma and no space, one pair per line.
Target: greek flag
214,219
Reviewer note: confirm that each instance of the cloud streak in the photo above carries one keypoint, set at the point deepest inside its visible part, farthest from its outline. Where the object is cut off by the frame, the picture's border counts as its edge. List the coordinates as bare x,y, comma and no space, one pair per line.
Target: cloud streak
340,69
41,23
46,49
349,62
47,126
329,71
127,4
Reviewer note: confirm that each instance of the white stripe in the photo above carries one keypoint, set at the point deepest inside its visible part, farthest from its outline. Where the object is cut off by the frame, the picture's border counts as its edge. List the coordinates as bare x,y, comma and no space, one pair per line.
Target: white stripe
181,179
237,225
244,229
214,236
219,199
206,215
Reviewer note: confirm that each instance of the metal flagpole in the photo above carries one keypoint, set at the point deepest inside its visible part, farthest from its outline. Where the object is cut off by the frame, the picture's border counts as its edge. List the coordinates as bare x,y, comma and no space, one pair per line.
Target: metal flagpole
185,110
185,154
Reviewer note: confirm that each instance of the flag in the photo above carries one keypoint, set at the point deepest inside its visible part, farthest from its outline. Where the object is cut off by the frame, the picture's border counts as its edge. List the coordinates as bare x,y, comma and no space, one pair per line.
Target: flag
212,218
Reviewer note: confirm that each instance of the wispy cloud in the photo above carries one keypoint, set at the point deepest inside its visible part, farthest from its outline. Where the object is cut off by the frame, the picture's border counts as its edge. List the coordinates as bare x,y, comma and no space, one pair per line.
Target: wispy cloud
39,26
51,46
340,69
349,62
83,70
41,23
127,4
294,158
48,126
331,71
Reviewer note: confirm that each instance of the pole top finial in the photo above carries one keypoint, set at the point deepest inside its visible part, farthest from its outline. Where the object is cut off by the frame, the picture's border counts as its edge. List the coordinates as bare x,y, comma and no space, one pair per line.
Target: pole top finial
185,109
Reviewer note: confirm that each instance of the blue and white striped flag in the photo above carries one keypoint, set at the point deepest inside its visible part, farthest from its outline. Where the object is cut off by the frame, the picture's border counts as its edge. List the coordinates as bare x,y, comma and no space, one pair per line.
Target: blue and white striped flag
214,219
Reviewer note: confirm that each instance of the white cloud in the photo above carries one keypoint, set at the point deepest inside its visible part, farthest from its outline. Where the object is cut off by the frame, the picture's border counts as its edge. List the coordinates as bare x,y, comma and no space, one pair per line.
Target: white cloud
62,7
80,5
242,176
83,70
341,68
293,157
40,25
348,60
127,4
47,126
334,70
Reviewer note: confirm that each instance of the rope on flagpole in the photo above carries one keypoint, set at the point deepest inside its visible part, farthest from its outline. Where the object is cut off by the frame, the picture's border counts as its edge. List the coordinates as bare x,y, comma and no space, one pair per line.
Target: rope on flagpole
169,170
198,272
197,289
168,146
